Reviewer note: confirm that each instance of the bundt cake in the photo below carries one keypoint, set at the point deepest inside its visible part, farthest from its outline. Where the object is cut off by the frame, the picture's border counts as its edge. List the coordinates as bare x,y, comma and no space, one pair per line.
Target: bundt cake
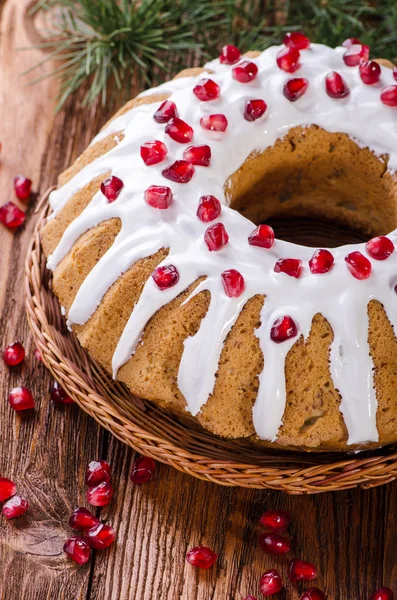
172,280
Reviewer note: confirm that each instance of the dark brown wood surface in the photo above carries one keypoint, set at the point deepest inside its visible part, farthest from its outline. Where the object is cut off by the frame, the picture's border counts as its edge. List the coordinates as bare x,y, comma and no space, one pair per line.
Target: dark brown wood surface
350,536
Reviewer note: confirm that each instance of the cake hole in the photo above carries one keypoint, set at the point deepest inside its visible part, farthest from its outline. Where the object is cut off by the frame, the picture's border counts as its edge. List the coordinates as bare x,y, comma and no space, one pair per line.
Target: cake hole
314,232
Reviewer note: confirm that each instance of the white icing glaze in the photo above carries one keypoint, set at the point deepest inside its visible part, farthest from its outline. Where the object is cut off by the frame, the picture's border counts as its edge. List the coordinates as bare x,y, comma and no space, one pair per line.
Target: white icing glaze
337,295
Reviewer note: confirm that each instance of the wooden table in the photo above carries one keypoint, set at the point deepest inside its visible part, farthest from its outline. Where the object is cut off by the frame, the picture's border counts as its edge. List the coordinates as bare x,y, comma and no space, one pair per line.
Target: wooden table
351,536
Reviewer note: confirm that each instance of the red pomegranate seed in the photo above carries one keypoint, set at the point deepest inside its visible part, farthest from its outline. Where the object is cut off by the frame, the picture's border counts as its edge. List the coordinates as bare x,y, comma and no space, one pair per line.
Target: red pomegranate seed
300,570
384,593
165,112
355,54
283,329
289,266
179,131
100,495
153,152
100,537
380,247
206,90
216,237
82,519
295,88
276,520
313,594
7,488
270,583
111,188
288,59
181,171
11,216
254,109
245,71
22,187
358,265
165,276
229,55
198,155
388,97
201,557
37,355
14,354
273,543
296,39
233,283
97,472
349,42
321,262
77,549
158,196
59,396
20,398
262,236
370,72
250,598
15,507
214,123
336,86
142,470
209,208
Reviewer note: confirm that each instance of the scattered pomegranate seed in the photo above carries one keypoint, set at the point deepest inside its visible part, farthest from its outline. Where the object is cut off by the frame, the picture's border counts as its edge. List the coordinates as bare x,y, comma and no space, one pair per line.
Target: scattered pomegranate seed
77,549
165,112
336,86
233,283
201,557
100,495
7,488
288,59
300,570
262,236
273,543
276,520
350,42
355,54
296,39
206,90
254,109
142,470
283,328
209,208
153,152
216,237
380,247
270,583
37,355
20,398
11,216
158,196
165,276
358,265
181,171
22,187
14,354
179,131
388,97
15,507
82,519
214,122
370,72
100,537
245,71
198,155
59,396
295,88
384,593
229,55
111,188
313,594
321,262
97,472
289,266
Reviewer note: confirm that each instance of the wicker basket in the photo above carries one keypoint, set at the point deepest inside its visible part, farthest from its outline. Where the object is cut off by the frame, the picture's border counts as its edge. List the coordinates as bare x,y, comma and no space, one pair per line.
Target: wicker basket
153,432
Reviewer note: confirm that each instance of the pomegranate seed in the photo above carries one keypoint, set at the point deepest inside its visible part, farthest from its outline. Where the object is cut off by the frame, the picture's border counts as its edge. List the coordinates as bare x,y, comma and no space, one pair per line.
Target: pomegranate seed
100,537
111,188
270,583
20,398
97,472
395,73
100,495
77,549
380,247
321,262
11,216
276,520
313,594
288,59
181,171
370,72
250,598
297,40
59,396
22,187
273,543
295,88
37,355
153,152
300,570
82,519
388,97
206,90
209,208
254,109
7,488
229,55
15,507
216,237
165,112
289,266
350,42
198,155
384,593
355,54
245,71
214,122
165,276
262,236
336,86
233,283
158,196
179,131
358,265
14,354
283,329
201,557
142,470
